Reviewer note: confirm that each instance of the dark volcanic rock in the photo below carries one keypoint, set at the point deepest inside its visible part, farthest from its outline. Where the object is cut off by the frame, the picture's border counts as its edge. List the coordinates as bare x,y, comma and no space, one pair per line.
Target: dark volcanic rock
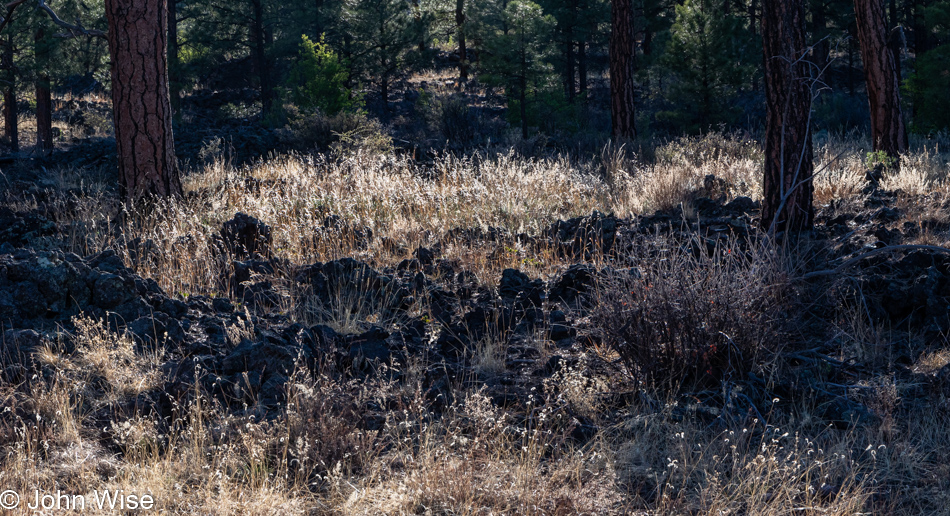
575,287
582,236
371,346
19,228
518,287
245,236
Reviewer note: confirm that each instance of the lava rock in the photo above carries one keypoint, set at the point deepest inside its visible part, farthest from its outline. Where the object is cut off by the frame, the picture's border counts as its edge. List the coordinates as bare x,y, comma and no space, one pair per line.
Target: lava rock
575,287
245,236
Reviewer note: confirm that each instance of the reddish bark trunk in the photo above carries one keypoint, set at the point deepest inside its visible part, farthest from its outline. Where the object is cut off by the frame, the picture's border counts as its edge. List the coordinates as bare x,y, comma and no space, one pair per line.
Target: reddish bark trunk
259,35
622,54
888,132
787,186
141,109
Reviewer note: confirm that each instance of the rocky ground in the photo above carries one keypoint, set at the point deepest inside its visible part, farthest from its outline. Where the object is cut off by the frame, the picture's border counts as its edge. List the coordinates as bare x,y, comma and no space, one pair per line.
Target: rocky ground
442,330
41,291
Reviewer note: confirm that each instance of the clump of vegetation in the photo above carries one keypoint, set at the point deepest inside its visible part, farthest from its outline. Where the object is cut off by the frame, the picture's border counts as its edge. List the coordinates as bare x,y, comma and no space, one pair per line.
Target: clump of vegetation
319,78
695,318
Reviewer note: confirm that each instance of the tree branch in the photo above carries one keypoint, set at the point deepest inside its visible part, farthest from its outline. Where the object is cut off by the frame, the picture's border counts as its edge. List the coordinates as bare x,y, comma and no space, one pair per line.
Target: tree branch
74,30
4,20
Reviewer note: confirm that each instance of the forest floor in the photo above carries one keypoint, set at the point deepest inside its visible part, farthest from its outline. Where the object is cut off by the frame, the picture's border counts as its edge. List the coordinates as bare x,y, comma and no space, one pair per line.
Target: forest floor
512,331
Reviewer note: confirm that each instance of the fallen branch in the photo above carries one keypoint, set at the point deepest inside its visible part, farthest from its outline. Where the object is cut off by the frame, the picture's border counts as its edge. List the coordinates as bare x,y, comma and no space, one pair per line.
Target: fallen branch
870,254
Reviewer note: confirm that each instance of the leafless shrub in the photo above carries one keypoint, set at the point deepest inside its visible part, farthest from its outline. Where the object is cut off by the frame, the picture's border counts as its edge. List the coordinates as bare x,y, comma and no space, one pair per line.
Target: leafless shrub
687,317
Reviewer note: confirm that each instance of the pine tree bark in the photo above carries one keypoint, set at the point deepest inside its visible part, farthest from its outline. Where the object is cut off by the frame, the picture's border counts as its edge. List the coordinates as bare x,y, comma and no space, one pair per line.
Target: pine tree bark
260,56
141,108
460,33
569,88
888,133
174,65
582,67
622,54
10,129
44,98
788,188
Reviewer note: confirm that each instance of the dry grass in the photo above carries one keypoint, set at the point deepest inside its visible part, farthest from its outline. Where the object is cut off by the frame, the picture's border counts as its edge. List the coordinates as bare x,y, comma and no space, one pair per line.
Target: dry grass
473,457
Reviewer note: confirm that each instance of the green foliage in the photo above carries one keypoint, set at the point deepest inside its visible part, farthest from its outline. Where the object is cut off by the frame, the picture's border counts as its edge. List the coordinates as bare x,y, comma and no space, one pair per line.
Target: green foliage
927,87
874,158
516,56
383,37
711,56
318,79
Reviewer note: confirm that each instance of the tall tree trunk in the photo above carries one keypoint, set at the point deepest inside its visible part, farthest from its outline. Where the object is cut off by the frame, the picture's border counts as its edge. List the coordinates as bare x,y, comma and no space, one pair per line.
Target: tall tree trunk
260,56
174,65
140,105
582,67
787,185
888,133
10,129
460,34
819,31
569,63
622,54
44,99
523,91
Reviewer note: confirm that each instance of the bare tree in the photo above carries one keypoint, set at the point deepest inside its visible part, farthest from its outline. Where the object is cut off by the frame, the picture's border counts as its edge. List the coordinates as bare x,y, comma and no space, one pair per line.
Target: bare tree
888,132
622,54
787,186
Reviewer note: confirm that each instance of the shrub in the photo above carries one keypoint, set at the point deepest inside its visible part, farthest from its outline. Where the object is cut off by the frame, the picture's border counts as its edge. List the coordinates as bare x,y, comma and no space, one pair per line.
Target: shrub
687,317
318,80
453,118
343,132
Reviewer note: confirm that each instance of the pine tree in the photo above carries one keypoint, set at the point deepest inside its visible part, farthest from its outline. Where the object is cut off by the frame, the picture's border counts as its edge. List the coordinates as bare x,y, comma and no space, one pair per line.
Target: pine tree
141,108
710,55
383,38
623,48
516,53
888,133
928,85
318,79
